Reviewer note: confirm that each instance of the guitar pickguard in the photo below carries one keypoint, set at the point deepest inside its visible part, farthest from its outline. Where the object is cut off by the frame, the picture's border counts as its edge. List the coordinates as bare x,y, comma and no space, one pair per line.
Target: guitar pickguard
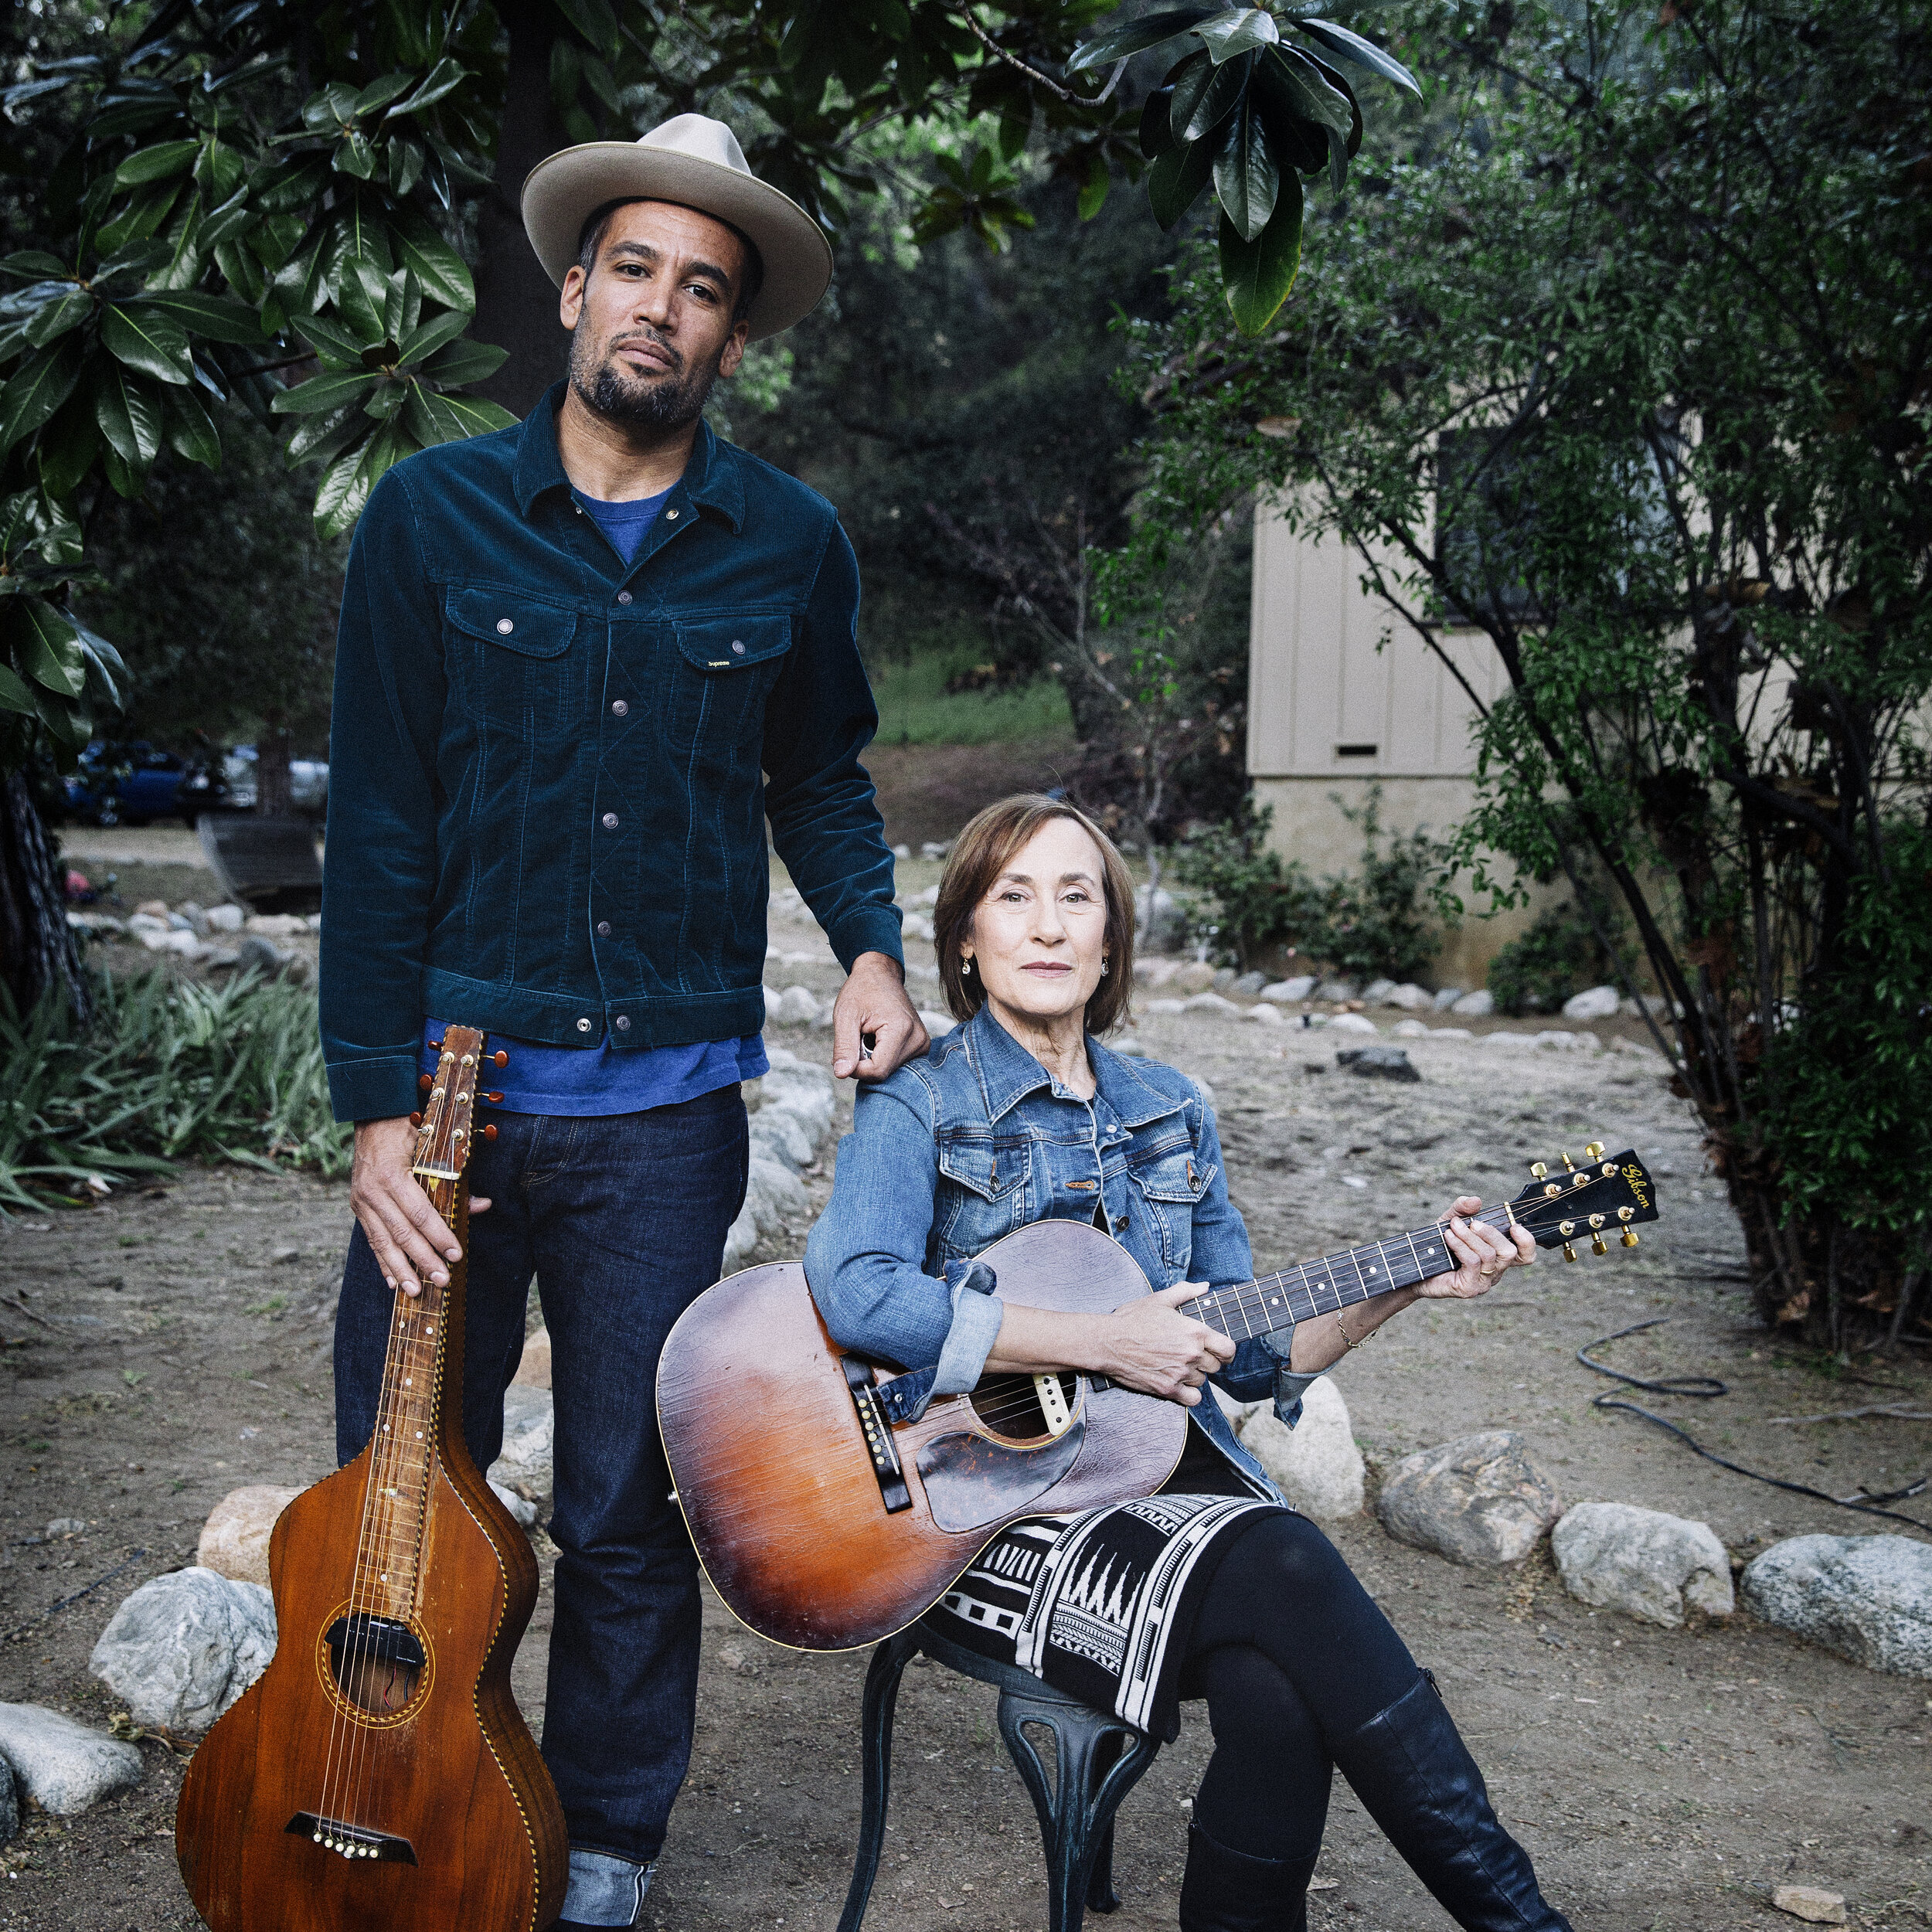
970,1481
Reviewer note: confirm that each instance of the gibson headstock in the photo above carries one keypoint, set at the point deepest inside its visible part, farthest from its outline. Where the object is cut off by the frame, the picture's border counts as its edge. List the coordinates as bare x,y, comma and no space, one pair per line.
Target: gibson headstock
445,1127
1607,1194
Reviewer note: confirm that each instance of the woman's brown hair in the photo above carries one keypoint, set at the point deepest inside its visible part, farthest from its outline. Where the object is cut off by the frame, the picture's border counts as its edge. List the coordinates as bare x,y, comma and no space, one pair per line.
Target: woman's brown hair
979,854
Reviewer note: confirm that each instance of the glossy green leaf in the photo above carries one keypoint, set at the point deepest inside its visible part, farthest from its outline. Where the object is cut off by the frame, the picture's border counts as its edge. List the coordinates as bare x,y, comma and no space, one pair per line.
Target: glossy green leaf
53,319
445,77
355,154
438,267
425,340
348,480
187,255
235,216
108,667
1156,131
1151,30
36,389
322,438
35,265
216,318
1246,180
380,92
336,346
1241,32
139,335
407,159
68,447
324,392
1092,195
220,170
276,237
190,429
14,694
1175,181
463,415
1365,53
159,163
63,720
46,646
1213,99
129,267
129,417
386,398
1308,88
594,20
330,110
242,272
463,363
1258,274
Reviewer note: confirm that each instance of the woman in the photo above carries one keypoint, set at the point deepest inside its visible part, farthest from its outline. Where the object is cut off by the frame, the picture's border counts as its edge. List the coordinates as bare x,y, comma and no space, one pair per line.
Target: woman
1021,1115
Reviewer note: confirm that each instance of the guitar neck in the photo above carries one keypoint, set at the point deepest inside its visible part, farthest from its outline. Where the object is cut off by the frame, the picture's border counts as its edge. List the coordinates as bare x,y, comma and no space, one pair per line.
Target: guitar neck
1300,1293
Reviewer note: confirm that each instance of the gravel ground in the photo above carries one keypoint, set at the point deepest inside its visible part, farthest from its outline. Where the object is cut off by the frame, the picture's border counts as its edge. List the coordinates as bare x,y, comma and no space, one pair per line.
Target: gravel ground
172,1345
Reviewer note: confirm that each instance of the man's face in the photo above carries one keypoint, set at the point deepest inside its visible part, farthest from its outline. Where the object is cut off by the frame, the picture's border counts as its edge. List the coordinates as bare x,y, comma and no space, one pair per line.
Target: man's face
650,326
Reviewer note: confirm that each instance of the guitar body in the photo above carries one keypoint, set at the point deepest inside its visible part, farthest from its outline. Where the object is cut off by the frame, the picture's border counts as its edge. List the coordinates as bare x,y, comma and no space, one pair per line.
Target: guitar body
773,1472
379,1776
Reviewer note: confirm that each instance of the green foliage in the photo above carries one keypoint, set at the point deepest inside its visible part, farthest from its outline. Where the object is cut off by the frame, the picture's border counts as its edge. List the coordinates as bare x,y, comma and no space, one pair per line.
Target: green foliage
1561,954
1384,920
1545,393
171,1070
943,698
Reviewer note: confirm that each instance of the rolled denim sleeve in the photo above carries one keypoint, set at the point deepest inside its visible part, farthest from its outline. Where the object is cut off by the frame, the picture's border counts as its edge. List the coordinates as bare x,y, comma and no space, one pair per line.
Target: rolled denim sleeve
825,822
865,1260
384,805
1223,1257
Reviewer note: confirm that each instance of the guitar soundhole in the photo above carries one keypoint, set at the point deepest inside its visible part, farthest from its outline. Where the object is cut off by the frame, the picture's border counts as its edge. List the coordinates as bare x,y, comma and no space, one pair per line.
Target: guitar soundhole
1014,1407
376,1662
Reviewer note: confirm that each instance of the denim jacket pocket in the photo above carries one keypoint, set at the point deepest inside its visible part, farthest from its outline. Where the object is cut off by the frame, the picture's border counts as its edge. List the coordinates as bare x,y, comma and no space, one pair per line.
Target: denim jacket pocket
1171,1180
510,657
723,667
982,1191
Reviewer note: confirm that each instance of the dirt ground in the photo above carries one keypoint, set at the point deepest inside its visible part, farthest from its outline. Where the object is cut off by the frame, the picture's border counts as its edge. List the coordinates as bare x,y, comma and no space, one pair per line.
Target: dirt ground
172,1345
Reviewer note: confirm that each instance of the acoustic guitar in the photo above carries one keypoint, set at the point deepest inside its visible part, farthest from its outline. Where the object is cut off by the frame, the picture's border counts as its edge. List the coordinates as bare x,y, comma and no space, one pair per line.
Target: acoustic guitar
824,1523
378,1777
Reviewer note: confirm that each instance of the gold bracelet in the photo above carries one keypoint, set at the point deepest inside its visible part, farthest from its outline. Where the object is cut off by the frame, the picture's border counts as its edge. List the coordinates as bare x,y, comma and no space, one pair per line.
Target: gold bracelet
1351,1343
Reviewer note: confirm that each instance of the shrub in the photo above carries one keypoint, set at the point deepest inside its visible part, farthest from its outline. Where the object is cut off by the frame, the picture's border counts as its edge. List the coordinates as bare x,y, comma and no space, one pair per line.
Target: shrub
1561,954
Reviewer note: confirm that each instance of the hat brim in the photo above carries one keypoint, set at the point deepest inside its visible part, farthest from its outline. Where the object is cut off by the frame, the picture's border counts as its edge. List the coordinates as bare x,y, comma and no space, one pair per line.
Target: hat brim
561,192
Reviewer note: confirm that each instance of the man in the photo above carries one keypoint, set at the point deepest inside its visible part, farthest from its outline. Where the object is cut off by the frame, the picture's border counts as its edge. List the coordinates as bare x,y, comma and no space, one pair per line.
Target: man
568,650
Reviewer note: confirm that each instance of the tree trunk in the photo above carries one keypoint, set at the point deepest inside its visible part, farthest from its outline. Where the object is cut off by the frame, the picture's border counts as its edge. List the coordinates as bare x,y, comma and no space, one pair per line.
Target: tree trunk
37,947
516,306
274,790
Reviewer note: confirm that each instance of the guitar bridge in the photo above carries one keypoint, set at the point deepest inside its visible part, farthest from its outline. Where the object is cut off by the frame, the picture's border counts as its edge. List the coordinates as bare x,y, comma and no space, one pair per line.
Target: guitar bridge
351,1841
879,1446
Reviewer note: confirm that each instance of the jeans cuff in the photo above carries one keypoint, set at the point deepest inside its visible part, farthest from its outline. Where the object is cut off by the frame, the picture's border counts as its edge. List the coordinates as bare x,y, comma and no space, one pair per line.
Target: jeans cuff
605,1890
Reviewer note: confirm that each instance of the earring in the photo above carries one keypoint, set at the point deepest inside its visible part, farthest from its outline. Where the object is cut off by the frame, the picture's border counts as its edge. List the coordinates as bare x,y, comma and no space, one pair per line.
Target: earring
965,968
1103,969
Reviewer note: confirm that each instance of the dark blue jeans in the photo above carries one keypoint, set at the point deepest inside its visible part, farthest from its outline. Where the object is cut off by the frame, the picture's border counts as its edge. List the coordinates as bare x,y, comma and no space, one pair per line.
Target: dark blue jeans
622,1219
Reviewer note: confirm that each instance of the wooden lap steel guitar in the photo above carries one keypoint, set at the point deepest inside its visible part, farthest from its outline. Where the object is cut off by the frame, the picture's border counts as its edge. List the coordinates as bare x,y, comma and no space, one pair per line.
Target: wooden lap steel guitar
824,1523
379,1776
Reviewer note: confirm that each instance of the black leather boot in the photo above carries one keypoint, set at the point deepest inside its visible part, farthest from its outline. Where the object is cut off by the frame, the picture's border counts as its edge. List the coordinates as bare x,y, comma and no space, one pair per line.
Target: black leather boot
1227,1891
1410,1769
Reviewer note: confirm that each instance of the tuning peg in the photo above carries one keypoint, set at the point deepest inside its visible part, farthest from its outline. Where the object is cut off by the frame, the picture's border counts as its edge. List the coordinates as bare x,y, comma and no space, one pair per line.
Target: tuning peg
499,1058
424,1082
1538,1168
1630,1237
1569,1166
436,1046
1594,1151
489,1134
1596,1245
1570,1253
416,1120
496,1099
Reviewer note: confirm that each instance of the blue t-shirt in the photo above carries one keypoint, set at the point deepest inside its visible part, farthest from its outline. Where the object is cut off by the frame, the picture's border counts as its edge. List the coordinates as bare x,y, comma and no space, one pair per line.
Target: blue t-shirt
625,524
580,1080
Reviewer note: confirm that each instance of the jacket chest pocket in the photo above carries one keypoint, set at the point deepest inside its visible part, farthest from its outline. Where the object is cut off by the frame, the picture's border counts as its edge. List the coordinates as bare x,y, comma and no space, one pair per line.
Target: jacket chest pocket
1171,1181
511,660
982,1191
720,670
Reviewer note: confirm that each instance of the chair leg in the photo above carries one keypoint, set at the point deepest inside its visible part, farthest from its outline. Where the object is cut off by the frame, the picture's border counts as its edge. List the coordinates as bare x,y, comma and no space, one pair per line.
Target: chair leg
1097,1764
887,1666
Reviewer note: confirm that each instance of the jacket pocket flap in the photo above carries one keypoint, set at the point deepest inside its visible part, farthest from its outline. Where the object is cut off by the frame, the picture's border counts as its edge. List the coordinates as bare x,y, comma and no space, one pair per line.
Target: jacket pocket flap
730,643
988,1168
509,618
1174,1176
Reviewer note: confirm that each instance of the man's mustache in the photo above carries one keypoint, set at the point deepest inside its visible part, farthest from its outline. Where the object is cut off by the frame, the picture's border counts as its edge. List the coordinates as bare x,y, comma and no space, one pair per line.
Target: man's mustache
656,341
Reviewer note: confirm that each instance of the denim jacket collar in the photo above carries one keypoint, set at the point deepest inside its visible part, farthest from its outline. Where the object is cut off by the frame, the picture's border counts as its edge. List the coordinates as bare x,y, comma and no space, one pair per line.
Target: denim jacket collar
1007,1073
711,479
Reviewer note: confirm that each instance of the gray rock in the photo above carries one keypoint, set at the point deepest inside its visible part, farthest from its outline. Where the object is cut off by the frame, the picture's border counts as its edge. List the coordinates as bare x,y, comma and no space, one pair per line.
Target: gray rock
1191,976
184,1646
1480,1499
1446,998
227,919
1352,1023
1649,1565
1267,1015
520,1507
1316,1463
1286,992
525,1463
1377,1062
62,1767
1409,997
264,955
1409,1029
1160,922
1129,1045
795,1006
1377,991
9,1804
1167,1007
1223,978
778,1134
1250,984
1600,1002
1477,1006
1869,1598
1209,1003
1338,990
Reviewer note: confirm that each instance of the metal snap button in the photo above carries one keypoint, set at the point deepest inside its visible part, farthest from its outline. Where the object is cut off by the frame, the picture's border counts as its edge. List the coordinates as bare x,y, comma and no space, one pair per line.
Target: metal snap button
619,709
737,647
671,516
603,929
504,627
609,822
624,596
584,1026
623,1022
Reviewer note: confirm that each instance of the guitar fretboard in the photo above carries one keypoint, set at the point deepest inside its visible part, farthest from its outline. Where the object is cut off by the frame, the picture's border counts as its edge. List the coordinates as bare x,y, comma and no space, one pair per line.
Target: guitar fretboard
1321,1288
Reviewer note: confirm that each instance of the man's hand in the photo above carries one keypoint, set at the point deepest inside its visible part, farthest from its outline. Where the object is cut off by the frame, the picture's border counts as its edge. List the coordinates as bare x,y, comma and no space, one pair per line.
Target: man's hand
873,1000
412,1242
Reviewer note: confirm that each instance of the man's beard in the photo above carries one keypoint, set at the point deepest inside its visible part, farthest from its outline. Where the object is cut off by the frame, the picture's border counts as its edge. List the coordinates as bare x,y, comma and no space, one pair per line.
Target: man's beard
666,402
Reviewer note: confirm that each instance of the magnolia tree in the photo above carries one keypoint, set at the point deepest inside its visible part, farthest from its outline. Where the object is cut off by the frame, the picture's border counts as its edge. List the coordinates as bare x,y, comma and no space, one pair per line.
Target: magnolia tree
308,214
1625,364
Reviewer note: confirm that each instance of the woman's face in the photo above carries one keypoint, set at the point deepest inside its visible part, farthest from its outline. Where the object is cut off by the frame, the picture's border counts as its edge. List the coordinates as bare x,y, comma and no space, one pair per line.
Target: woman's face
1037,937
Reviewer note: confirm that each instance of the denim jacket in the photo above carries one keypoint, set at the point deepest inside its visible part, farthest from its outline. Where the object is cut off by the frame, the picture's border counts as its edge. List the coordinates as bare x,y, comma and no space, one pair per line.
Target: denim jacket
552,769
976,1140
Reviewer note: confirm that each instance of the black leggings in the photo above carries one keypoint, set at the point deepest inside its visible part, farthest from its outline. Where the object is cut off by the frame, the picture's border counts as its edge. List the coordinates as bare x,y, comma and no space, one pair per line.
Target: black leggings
1293,1657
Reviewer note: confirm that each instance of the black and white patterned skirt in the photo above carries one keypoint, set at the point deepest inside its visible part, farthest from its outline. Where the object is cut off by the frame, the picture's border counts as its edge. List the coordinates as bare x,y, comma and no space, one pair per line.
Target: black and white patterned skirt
1100,1606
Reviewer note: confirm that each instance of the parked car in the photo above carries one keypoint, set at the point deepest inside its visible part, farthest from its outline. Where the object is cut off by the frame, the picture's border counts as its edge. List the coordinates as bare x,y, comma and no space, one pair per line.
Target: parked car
308,780
117,784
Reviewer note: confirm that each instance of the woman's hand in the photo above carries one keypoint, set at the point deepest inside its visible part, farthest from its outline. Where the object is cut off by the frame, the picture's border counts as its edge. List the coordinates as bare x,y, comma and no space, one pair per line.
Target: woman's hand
1154,1344
1484,1252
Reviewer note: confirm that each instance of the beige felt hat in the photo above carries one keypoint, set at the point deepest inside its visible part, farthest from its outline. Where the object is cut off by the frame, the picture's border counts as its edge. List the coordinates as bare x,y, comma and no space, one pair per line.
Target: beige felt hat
695,161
